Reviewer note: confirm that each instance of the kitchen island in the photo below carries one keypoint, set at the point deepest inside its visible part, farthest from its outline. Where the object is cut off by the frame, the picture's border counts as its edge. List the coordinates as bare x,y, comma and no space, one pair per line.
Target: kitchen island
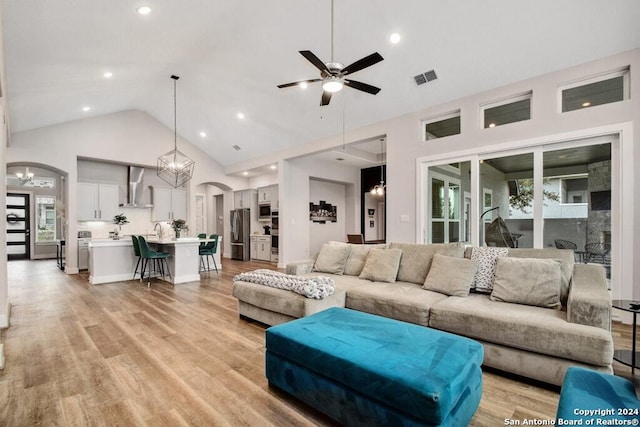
114,260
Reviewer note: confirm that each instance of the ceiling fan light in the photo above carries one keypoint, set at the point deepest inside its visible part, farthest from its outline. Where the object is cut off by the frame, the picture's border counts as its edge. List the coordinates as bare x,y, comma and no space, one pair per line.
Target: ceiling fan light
332,85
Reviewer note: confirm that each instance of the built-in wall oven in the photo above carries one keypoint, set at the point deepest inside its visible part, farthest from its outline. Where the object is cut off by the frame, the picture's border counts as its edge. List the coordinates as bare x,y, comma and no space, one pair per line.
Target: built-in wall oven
274,236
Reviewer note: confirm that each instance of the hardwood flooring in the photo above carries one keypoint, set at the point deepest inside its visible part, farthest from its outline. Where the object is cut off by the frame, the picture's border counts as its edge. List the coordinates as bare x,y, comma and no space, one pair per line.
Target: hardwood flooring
125,354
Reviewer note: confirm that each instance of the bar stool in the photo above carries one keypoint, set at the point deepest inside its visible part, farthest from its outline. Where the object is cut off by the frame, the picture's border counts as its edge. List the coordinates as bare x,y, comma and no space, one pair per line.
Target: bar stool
150,255
209,249
136,251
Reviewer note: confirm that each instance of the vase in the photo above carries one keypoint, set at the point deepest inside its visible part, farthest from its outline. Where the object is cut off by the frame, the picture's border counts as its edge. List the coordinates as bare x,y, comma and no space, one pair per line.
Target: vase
177,234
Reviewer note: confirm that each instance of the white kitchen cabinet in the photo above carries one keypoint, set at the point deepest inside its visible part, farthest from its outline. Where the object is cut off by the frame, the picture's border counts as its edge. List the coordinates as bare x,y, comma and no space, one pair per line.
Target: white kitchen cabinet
168,204
275,198
264,195
263,251
97,202
253,247
244,199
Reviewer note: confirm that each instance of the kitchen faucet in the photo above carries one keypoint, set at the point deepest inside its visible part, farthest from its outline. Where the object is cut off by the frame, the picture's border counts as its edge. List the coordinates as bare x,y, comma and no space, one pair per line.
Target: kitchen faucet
160,234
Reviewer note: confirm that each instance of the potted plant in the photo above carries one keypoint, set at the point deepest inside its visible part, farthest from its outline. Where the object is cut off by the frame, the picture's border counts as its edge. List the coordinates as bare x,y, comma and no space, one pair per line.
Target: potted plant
178,225
119,220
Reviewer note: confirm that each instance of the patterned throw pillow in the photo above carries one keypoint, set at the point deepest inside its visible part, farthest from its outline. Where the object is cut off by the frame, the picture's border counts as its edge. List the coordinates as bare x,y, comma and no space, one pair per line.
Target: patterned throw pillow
486,257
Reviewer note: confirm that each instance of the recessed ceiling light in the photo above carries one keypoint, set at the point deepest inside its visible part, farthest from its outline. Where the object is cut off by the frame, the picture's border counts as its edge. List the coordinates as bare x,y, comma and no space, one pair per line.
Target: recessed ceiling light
492,125
395,38
85,108
303,85
144,10
203,134
586,104
245,173
108,74
273,167
240,116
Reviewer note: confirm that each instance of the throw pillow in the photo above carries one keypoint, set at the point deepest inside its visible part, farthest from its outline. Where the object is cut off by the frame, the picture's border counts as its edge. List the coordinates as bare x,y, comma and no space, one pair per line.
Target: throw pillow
416,258
529,281
357,258
486,259
450,275
332,259
382,265
565,255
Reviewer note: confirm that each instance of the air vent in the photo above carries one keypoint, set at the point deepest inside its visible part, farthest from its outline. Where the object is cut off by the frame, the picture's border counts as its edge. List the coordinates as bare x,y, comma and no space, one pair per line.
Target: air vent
237,147
425,77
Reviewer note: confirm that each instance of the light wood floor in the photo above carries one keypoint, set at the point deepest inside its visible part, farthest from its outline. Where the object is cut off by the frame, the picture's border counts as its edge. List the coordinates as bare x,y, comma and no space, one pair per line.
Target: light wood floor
125,354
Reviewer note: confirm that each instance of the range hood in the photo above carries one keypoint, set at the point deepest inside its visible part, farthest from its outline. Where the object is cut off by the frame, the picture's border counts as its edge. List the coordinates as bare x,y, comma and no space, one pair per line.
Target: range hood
135,189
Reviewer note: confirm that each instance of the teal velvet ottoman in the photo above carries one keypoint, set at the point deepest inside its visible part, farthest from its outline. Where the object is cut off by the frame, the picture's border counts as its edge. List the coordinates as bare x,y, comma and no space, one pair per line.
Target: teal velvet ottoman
366,370
589,397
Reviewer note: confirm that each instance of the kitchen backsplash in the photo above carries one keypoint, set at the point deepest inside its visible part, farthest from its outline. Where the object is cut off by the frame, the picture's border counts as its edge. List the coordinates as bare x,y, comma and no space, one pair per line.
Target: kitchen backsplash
139,223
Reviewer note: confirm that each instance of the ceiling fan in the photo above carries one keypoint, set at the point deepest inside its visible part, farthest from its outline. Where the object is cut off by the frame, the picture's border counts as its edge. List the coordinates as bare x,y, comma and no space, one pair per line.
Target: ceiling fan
332,73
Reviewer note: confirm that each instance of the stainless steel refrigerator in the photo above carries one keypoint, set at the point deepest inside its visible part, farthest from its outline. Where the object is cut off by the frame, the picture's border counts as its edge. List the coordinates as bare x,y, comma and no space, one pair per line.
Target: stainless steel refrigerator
240,230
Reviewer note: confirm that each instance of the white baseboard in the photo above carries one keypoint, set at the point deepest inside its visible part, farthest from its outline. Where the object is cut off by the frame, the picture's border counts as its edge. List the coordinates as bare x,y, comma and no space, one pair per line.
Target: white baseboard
109,279
70,270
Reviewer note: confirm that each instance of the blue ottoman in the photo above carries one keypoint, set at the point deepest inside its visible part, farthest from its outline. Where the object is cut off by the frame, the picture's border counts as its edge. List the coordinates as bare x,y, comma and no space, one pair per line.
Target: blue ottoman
367,370
603,398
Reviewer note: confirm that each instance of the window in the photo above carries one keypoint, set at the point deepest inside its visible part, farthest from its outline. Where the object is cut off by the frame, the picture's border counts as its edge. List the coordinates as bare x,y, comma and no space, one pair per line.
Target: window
442,126
45,219
511,110
573,190
445,208
612,87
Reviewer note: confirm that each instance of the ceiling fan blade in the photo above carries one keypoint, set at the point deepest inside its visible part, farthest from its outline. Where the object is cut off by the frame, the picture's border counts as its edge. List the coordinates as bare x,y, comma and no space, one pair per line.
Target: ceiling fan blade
315,61
326,98
365,62
362,86
298,82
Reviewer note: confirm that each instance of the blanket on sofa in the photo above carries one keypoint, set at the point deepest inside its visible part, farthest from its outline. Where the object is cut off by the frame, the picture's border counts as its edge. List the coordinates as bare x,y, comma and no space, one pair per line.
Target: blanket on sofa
318,287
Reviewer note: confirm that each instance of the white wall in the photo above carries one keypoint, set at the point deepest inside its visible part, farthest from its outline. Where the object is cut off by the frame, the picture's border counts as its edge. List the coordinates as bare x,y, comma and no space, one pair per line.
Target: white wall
125,137
294,208
263,180
320,234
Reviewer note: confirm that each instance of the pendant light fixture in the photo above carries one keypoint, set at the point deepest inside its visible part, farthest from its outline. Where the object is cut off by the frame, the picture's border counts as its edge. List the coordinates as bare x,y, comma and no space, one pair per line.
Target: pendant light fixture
175,167
379,189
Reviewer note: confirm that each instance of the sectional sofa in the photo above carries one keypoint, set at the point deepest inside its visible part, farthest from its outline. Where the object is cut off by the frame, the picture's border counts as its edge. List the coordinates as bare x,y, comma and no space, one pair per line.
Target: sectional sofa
535,311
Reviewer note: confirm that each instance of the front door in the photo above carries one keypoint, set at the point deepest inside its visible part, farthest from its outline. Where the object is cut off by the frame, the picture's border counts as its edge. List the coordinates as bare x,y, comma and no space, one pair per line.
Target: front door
18,226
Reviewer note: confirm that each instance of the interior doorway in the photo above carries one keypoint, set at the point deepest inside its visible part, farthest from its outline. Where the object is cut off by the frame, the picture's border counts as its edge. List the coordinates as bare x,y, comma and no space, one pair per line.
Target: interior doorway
18,226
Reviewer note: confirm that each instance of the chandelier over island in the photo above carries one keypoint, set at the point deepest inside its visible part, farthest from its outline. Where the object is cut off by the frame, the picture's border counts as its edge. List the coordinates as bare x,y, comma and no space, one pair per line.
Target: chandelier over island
175,167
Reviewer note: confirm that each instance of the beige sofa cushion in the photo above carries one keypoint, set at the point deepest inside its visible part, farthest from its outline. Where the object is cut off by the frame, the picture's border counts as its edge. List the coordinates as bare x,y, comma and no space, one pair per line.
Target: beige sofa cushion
358,258
381,265
416,259
401,301
529,328
529,281
450,275
332,259
567,257
283,301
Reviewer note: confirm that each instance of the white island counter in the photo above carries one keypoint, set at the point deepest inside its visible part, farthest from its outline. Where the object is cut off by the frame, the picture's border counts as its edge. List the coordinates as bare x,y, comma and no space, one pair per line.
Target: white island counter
115,261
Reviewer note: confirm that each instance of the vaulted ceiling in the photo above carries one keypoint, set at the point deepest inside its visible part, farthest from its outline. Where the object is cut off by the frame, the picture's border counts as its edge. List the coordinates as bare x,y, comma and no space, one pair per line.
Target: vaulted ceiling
230,56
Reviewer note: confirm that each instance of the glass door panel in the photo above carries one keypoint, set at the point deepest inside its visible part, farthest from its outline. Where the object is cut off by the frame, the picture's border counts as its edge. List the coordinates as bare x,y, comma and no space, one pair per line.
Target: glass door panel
17,226
447,185
506,205
577,202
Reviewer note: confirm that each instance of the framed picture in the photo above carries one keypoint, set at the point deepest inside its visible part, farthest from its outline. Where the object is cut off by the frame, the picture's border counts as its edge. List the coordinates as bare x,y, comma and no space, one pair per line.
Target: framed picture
372,224
371,212
323,212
